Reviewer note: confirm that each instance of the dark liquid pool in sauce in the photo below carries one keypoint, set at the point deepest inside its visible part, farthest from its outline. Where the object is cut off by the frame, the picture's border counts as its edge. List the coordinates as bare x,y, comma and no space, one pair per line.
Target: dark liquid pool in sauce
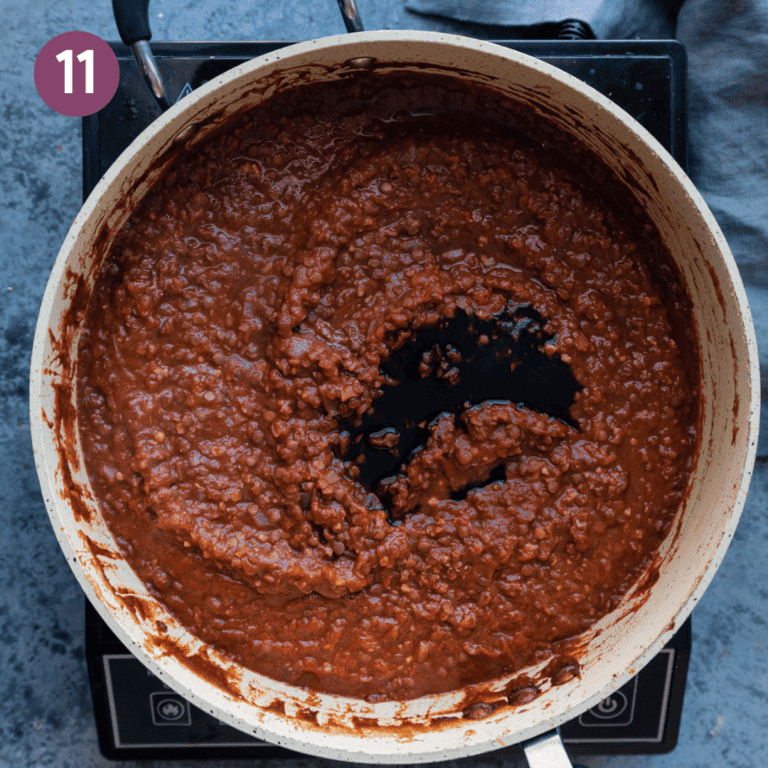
451,366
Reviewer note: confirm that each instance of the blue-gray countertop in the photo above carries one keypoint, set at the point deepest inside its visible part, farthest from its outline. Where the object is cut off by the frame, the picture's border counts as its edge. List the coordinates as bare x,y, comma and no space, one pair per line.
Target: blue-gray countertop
45,707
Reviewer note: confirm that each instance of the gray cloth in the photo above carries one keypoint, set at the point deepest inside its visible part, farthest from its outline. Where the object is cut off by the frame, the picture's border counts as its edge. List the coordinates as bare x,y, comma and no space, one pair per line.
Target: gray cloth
727,43
727,46
608,19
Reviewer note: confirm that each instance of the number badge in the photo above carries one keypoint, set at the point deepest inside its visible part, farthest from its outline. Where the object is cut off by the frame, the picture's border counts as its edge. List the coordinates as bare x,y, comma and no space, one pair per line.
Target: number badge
76,74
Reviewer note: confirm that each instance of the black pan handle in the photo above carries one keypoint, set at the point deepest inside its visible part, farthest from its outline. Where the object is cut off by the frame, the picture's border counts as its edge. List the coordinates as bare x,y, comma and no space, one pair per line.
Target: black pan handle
132,18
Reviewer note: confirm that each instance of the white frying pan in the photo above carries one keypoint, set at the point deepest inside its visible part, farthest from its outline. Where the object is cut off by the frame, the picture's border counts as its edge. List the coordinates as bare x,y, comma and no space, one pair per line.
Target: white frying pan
430,728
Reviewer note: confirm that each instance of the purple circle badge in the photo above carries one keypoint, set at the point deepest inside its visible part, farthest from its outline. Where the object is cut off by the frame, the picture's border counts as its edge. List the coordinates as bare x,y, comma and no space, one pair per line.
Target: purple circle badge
76,74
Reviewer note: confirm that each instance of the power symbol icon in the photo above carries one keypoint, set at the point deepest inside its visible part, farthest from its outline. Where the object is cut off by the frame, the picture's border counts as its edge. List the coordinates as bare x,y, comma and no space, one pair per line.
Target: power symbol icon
610,707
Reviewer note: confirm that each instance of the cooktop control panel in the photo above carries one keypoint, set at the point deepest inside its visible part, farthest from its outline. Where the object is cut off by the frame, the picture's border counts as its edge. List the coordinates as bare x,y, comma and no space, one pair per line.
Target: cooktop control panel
138,716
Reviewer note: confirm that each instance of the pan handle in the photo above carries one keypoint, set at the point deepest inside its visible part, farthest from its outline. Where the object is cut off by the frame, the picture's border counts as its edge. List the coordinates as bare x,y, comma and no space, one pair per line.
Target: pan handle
546,751
351,16
132,18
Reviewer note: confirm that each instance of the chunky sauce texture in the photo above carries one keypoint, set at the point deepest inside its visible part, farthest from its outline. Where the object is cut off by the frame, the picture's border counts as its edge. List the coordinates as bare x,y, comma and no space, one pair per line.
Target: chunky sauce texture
268,379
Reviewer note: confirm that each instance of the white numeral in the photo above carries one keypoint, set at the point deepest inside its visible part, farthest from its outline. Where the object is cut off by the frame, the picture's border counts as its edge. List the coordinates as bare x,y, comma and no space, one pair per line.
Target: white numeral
66,57
85,56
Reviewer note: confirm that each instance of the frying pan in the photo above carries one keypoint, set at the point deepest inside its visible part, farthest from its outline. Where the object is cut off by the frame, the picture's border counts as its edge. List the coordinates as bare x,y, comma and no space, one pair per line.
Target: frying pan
616,648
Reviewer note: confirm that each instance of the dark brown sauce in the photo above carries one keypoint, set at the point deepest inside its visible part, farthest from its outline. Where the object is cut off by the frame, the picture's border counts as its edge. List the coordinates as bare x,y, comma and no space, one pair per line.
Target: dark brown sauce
251,334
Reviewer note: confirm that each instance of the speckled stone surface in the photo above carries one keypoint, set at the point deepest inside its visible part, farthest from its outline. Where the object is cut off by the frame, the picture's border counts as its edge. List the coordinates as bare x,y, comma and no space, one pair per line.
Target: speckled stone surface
45,707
